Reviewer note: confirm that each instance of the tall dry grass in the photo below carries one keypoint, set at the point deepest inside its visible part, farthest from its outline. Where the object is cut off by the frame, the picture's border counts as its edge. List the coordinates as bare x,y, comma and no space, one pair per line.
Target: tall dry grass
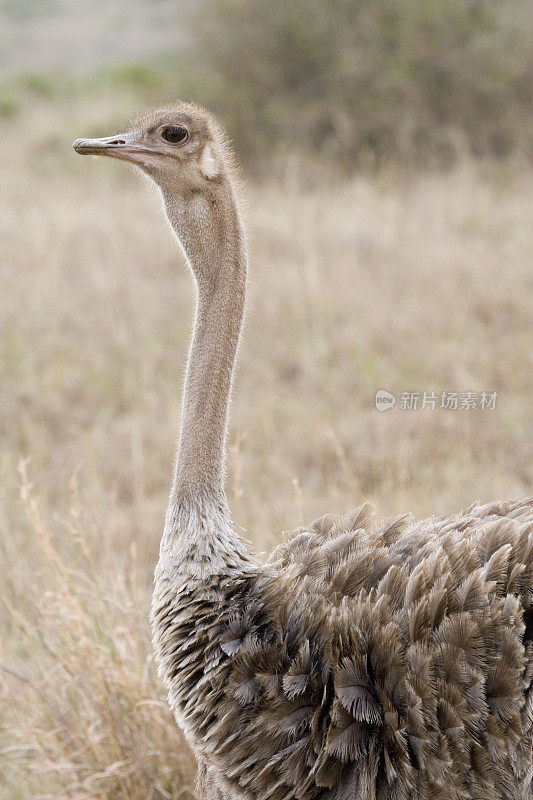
85,715
399,282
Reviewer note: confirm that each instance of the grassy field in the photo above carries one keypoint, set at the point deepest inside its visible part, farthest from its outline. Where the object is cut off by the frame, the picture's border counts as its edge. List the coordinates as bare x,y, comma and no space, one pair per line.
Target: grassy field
391,281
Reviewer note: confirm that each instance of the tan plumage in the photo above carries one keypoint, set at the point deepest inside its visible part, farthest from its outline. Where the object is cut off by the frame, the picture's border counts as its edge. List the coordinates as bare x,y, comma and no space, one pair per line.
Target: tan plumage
364,660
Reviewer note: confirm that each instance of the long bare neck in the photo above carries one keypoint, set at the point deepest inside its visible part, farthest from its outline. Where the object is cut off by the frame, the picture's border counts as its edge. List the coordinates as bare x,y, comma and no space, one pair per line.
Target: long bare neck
210,232
209,229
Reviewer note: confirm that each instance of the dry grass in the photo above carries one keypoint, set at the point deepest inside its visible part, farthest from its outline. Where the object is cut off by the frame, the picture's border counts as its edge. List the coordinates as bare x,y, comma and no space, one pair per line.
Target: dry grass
404,283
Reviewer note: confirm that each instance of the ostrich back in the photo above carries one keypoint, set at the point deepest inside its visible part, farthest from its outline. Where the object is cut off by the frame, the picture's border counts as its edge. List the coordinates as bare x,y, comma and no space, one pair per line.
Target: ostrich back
362,661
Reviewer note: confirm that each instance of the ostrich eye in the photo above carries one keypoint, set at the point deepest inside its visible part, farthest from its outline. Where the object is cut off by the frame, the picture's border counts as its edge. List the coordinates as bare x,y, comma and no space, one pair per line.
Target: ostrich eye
175,134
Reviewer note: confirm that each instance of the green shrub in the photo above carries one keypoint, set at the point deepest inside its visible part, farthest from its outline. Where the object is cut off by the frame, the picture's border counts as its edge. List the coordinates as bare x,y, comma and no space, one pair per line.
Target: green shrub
8,107
371,79
37,84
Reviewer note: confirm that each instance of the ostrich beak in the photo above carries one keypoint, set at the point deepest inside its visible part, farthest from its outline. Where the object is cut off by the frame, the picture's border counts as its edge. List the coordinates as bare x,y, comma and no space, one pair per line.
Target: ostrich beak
122,146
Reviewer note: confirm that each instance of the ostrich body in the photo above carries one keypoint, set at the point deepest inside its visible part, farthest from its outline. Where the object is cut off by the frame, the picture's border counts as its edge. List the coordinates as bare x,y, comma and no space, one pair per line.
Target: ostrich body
364,659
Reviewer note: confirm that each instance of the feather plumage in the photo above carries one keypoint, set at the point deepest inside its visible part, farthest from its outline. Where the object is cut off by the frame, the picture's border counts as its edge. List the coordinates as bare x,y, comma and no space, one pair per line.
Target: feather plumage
392,662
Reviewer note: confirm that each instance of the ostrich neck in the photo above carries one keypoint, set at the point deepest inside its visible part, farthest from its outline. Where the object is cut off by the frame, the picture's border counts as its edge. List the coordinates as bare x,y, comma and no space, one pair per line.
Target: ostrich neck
210,232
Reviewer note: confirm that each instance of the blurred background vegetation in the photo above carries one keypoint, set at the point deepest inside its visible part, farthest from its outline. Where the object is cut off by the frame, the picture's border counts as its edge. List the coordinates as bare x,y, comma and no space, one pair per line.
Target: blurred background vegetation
416,82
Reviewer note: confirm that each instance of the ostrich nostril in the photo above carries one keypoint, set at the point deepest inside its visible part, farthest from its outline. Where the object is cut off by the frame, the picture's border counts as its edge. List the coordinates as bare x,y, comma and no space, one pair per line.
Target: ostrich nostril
118,141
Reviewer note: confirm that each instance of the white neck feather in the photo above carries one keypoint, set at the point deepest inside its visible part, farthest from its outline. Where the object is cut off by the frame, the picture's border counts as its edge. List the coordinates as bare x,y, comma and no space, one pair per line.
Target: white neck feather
199,539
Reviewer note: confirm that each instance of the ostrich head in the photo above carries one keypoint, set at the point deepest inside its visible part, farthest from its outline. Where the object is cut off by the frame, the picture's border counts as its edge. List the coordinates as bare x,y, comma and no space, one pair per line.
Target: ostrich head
180,146
184,150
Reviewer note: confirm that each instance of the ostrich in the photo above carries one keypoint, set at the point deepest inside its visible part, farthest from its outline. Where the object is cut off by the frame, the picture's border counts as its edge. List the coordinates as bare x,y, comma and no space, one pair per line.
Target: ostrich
363,659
